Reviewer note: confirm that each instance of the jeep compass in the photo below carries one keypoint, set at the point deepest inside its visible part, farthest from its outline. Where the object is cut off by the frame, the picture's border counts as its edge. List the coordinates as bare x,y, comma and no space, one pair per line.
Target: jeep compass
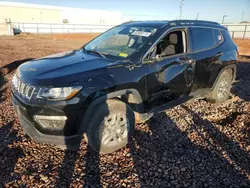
122,77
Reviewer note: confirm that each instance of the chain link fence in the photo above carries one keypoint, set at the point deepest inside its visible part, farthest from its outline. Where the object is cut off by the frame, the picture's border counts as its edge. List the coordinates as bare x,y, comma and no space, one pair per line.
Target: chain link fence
46,28
237,31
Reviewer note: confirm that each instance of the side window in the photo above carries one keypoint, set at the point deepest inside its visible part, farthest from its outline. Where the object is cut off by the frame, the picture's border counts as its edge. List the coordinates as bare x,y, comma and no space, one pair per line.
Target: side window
218,37
202,38
171,44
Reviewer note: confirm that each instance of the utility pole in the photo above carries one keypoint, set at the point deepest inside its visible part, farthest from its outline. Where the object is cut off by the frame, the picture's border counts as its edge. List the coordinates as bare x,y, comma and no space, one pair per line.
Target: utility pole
223,18
181,6
242,16
197,16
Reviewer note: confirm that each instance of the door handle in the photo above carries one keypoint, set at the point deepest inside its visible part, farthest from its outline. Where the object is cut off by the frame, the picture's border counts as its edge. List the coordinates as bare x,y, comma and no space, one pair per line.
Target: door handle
190,61
186,59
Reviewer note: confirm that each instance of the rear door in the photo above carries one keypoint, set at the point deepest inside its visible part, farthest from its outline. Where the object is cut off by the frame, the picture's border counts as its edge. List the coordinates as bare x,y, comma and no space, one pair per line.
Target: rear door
205,44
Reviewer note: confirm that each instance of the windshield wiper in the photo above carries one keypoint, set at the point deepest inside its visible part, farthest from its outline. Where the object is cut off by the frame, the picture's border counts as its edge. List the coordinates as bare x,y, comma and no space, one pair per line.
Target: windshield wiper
102,54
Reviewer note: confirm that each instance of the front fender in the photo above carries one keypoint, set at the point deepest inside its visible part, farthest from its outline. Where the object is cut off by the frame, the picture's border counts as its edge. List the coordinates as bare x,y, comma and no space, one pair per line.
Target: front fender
94,84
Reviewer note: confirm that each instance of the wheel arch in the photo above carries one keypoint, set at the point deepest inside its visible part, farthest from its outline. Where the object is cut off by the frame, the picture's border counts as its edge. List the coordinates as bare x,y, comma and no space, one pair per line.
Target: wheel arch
229,67
137,104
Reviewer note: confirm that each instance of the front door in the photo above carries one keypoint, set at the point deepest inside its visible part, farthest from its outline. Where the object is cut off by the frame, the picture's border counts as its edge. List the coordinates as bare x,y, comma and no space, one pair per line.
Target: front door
173,78
174,69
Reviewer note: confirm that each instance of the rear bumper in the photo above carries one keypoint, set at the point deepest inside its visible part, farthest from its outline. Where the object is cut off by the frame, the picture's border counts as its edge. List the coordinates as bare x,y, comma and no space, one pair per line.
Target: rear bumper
68,142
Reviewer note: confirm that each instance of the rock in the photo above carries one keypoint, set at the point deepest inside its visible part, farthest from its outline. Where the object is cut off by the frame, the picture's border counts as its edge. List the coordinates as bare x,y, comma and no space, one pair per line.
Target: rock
23,177
164,159
128,155
109,173
160,170
44,178
198,159
183,169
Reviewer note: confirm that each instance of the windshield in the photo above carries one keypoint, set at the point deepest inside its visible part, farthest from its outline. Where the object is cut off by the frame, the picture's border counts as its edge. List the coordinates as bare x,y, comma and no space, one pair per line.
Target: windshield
122,41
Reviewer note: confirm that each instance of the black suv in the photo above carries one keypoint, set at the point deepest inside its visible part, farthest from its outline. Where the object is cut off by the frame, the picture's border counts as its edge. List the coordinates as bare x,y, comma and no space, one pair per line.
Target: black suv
120,78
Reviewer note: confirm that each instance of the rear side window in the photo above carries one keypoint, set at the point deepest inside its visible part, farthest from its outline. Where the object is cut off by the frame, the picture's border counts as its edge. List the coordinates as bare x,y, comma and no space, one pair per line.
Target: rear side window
202,38
218,37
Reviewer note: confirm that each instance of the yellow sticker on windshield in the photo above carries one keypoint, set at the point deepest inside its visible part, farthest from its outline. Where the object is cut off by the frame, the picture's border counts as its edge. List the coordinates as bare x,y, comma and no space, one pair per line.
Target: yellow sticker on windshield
123,55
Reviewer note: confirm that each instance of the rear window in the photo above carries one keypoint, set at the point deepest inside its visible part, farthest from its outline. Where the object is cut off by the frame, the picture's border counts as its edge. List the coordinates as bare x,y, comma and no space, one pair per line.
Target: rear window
202,38
218,37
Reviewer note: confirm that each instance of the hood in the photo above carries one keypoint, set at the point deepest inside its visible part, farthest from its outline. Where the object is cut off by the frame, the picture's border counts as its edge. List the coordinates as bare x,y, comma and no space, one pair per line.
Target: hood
60,69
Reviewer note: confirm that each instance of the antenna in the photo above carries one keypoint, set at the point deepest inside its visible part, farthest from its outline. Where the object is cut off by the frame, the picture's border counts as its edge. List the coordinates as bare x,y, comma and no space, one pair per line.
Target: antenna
181,6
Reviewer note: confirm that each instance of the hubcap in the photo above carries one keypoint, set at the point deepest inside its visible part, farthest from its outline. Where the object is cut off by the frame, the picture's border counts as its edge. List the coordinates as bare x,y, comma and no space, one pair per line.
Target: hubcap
223,89
114,129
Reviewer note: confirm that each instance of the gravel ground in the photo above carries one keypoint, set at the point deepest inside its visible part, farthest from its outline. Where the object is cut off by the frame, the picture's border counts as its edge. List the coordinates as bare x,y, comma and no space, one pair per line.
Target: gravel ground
196,144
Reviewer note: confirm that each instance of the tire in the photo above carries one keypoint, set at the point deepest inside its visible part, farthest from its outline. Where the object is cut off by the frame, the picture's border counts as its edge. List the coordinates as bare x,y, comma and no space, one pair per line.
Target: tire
222,88
105,121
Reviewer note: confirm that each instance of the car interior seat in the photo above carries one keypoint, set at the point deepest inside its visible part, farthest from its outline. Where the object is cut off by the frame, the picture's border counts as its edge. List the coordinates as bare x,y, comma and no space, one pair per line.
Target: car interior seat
170,49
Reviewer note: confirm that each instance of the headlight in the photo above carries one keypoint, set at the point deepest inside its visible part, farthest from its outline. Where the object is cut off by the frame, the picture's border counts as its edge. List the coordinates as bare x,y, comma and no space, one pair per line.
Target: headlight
62,93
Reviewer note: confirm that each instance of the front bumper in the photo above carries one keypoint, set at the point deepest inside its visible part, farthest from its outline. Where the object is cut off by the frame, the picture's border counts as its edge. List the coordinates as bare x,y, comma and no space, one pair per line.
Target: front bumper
30,127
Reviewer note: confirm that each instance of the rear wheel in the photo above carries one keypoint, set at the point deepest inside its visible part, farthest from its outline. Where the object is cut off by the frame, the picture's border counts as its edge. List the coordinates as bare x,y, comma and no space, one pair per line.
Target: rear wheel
111,126
222,88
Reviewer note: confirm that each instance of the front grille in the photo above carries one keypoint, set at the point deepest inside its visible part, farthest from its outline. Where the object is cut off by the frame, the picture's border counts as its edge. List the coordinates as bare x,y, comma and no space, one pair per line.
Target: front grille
23,89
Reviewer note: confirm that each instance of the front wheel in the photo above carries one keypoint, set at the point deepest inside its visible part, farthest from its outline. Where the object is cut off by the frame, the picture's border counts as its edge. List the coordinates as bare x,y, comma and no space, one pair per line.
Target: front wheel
111,126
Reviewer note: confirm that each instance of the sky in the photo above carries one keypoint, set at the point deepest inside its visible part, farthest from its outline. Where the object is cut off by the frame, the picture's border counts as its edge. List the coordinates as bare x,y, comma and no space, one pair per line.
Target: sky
212,10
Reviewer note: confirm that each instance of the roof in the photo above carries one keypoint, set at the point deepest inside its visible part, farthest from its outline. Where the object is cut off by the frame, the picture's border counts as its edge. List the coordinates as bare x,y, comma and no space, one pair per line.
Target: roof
161,23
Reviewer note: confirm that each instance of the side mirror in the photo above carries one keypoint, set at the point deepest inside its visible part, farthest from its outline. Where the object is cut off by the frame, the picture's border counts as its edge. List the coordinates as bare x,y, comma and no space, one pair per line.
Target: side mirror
157,57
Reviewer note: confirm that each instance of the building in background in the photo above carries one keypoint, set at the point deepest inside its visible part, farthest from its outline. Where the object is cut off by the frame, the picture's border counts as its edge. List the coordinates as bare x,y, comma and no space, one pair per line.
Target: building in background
32,13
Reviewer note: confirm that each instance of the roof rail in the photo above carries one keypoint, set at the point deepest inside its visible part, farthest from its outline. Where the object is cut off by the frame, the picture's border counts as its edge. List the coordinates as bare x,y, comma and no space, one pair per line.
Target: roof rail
197,21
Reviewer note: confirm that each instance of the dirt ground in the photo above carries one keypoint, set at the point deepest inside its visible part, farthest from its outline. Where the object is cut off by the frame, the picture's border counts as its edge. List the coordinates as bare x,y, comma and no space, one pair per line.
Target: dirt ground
196,144
83,37
243,46
243,43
